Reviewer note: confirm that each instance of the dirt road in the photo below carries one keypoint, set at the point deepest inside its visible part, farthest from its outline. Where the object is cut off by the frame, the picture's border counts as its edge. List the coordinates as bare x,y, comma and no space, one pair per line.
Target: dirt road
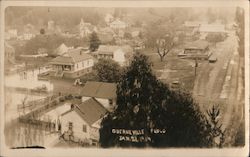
220,84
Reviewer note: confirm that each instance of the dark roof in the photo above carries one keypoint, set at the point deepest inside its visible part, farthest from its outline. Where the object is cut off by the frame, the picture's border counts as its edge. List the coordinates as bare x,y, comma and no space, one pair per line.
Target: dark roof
199,44
71,57
99,90
91,110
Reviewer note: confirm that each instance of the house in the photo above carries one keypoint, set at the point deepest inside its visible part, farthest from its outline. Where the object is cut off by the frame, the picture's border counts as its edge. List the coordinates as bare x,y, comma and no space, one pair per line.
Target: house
118,24
138,44
196,50
9,54
72,64
83,120
192,27
86,29
10,34
104,93
108,18
120,54
51,25
61,49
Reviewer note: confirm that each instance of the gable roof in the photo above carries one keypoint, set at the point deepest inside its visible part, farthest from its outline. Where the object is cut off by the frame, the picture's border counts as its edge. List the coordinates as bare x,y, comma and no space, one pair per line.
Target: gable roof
71,57
99,90
91,110
61,49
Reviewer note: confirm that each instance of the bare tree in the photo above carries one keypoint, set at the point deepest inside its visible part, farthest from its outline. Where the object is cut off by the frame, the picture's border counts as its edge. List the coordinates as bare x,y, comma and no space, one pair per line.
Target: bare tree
164,46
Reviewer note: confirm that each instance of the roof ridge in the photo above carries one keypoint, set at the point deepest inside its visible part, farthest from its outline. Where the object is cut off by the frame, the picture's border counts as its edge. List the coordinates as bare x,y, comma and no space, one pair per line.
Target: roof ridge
99,103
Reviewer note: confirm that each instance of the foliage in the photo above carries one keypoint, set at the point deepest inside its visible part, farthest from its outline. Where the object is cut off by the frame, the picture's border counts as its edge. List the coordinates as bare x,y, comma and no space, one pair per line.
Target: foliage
217,135
215,37
42,31
49,42
211,15
89,77
143,102
239,19
94,42
107,70
127,35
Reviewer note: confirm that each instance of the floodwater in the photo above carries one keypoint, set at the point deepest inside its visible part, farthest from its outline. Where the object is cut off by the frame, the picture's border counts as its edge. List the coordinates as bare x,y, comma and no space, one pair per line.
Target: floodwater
18,134
27,79
13,98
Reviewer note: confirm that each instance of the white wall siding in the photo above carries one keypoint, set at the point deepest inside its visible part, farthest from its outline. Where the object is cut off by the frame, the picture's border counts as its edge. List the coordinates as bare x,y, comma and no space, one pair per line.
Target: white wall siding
78,123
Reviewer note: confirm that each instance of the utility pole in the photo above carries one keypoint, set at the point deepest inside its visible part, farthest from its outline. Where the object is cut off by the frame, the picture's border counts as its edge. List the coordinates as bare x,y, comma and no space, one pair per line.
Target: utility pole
195,66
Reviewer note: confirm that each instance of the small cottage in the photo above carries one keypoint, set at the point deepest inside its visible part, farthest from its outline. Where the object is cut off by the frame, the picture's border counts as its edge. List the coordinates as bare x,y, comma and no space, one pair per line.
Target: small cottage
82,121
120,54
72,64
197,50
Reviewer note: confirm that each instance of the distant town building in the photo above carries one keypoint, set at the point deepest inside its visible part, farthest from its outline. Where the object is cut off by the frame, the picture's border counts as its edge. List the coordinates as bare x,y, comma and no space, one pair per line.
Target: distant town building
86,29
28,36
196,50
82,121
51,25
9,54
120,54
72,64
104,93
118,24
109,18
10,34
61,49
192,27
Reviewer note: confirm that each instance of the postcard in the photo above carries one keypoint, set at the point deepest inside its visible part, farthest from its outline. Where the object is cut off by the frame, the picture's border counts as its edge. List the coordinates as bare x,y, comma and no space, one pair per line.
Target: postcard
124,78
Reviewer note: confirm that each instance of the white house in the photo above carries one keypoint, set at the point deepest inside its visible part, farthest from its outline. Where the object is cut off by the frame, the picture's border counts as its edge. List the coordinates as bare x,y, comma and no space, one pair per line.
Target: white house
104,93
118,24
83,120
120,54
9,55
108,18
72,64
86,29
11,33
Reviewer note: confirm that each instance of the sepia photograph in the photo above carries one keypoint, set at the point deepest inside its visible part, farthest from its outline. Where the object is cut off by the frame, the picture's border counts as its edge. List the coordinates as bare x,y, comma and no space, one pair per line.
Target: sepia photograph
124,77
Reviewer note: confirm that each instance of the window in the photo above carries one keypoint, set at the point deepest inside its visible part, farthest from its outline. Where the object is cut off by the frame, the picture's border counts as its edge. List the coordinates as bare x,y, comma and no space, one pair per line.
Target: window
70,125
84,128
110,102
